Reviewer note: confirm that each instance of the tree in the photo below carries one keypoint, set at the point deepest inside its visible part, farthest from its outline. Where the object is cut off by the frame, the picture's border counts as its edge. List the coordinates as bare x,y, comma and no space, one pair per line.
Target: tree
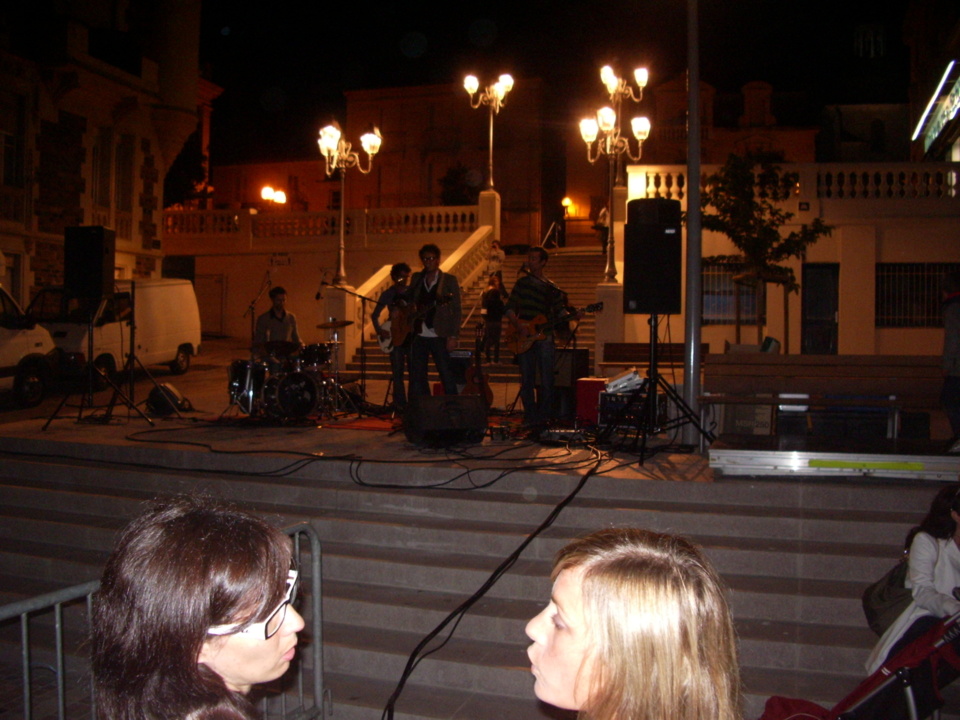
744,202
460,186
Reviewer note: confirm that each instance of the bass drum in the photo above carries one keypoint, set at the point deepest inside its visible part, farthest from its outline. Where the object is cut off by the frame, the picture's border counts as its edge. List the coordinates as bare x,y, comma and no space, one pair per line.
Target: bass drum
293,395
246,380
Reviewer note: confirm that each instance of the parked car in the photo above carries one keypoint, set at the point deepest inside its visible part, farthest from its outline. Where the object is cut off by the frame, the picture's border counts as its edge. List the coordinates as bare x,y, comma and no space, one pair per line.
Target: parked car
166,328
28,356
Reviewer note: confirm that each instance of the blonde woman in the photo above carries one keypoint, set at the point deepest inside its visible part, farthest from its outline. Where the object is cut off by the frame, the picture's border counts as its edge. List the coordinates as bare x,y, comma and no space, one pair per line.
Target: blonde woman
637,628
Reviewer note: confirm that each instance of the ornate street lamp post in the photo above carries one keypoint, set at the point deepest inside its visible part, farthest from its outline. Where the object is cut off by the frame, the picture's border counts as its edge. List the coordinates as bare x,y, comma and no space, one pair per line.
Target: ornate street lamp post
339,155
603,138
495,96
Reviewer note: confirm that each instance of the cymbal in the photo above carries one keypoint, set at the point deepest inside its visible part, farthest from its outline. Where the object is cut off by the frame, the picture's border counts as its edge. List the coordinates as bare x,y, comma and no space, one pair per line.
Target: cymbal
335,325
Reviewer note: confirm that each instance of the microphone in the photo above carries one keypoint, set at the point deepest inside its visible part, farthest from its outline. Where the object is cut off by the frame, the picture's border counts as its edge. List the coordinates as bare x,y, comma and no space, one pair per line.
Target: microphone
523,269
319,295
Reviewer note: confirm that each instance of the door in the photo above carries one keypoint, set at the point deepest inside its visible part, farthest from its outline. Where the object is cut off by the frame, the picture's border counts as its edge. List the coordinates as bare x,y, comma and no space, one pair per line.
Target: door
820,308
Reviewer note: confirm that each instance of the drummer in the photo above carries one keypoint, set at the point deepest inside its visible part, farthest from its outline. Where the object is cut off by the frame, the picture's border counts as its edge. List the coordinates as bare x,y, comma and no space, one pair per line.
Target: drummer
276,326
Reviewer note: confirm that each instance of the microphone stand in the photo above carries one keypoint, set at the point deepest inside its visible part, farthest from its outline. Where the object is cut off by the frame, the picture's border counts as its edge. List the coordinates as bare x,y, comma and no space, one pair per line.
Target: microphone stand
363,322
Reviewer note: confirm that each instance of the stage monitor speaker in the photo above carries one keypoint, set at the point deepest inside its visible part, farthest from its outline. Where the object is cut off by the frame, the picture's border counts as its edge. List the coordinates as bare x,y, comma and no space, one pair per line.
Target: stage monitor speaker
568,367
444,420
89,255
164,399
652,257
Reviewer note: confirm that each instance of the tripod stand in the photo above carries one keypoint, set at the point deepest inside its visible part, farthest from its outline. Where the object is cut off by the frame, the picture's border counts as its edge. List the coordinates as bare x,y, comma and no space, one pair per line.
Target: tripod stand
647,421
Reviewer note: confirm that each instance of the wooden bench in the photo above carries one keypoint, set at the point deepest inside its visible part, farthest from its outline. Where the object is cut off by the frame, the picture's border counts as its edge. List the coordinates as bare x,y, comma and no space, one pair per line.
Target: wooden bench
890,383
626,355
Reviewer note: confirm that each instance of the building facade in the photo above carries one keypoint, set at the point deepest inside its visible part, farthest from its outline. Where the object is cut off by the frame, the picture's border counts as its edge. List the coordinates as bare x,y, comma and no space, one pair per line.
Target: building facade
96,101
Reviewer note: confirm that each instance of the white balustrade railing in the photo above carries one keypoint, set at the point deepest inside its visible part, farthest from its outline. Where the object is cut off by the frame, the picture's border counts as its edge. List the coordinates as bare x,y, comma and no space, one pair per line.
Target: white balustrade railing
247,224
823,181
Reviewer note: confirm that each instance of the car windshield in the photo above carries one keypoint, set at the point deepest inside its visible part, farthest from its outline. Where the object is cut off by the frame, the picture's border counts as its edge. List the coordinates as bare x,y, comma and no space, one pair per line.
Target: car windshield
53,305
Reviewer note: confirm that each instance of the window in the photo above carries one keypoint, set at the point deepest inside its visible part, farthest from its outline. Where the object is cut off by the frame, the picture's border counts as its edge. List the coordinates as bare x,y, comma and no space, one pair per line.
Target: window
101,164
720,298
909,295
124,174
12,140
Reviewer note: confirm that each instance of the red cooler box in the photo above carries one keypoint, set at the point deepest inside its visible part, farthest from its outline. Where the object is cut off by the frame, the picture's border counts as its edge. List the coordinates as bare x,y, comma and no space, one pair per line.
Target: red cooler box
588,399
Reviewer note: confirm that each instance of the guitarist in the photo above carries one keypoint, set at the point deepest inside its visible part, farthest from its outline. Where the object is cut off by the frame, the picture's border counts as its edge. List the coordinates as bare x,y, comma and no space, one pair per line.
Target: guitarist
393,298
534,295
437,295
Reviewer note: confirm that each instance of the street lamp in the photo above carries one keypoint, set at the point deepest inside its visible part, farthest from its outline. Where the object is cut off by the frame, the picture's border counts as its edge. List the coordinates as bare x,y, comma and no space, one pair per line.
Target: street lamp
495,96
602,136
275,196
339,155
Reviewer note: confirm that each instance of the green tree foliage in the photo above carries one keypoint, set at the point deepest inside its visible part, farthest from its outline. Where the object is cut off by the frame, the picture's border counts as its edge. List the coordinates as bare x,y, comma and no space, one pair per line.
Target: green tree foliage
185,180
744,202
460,186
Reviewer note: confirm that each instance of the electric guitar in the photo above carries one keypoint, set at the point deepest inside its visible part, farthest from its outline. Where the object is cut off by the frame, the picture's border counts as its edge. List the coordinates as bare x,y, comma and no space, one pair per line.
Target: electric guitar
404,318
476,383
537,327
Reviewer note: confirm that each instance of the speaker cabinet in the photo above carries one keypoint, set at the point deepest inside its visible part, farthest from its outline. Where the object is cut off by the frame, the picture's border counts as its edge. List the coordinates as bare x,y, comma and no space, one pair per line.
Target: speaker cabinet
444,420
89,256
652,257
183,267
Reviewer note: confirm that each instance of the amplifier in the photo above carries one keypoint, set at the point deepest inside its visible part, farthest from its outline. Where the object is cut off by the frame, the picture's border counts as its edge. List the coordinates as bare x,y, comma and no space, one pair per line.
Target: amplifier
612,410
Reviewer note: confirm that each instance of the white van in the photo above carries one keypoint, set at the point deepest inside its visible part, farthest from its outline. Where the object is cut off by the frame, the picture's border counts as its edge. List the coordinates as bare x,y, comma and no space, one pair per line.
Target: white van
167,329
27,354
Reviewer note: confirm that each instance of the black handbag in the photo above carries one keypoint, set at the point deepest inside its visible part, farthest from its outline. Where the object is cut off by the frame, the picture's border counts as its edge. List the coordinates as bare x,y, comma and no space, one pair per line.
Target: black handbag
886,599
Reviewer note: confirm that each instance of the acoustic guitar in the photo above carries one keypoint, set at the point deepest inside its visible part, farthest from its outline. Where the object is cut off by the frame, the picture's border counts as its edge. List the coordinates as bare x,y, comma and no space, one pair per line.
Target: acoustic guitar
476,383
537,327
403,319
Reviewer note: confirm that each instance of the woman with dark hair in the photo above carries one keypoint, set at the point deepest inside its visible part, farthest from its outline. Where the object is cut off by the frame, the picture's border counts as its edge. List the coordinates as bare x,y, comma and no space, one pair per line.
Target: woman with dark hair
637,628
933,576
194,608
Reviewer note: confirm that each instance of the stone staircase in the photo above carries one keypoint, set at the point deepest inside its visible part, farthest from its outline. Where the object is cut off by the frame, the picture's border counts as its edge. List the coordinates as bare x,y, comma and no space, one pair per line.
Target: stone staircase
576,272
796,555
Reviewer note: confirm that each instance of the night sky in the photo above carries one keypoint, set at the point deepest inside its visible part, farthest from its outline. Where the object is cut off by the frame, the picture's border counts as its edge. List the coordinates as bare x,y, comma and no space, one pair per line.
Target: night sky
285,65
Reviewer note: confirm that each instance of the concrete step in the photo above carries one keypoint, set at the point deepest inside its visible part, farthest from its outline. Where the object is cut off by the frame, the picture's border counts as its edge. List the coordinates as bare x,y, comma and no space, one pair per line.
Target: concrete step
398,556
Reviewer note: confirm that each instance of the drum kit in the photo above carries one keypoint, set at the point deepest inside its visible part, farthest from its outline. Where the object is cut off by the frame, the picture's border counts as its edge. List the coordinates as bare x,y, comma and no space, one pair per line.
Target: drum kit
290,382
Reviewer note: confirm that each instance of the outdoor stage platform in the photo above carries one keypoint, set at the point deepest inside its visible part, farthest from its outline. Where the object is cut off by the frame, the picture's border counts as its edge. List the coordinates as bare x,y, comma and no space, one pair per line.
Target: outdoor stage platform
839,457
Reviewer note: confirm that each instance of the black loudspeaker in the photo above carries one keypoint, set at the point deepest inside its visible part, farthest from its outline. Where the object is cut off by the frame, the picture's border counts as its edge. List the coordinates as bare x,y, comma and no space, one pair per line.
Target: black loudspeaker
444,420
165,398
652,257
89,254
568,367
183,267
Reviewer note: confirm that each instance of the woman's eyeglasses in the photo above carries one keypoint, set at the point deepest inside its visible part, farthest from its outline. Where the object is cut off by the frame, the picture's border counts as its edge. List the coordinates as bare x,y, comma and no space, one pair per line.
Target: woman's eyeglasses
269,627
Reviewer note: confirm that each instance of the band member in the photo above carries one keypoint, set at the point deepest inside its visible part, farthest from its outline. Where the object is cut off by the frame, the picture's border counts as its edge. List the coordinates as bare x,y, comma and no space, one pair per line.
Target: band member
535,296
276,323
435,297
391,299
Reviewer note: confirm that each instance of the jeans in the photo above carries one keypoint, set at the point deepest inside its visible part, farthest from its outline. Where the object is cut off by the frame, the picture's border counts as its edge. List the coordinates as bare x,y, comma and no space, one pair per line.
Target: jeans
950,399
398,364
420,352
541,355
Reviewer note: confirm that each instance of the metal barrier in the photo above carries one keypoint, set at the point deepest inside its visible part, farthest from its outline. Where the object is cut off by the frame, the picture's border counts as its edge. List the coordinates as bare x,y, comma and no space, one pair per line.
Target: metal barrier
296,696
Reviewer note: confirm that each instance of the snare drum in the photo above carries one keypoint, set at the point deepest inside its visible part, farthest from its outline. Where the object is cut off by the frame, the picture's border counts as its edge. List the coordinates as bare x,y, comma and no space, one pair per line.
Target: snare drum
315,356
246,379
291,395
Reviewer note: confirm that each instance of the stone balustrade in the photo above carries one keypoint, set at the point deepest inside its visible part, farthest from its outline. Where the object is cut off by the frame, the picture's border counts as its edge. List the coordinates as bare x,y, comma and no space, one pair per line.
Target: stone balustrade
926,182
248,226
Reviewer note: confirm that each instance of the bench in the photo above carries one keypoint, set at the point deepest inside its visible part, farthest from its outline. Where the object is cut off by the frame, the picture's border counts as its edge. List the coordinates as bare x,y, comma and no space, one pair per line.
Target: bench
855,383
627,355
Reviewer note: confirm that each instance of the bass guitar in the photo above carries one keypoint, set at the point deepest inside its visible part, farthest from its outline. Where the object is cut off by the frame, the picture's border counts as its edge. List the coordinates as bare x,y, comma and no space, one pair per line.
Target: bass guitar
476,383
537,327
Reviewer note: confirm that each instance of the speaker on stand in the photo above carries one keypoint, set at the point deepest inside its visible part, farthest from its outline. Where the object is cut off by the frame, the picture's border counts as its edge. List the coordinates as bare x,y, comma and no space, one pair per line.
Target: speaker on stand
89,256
